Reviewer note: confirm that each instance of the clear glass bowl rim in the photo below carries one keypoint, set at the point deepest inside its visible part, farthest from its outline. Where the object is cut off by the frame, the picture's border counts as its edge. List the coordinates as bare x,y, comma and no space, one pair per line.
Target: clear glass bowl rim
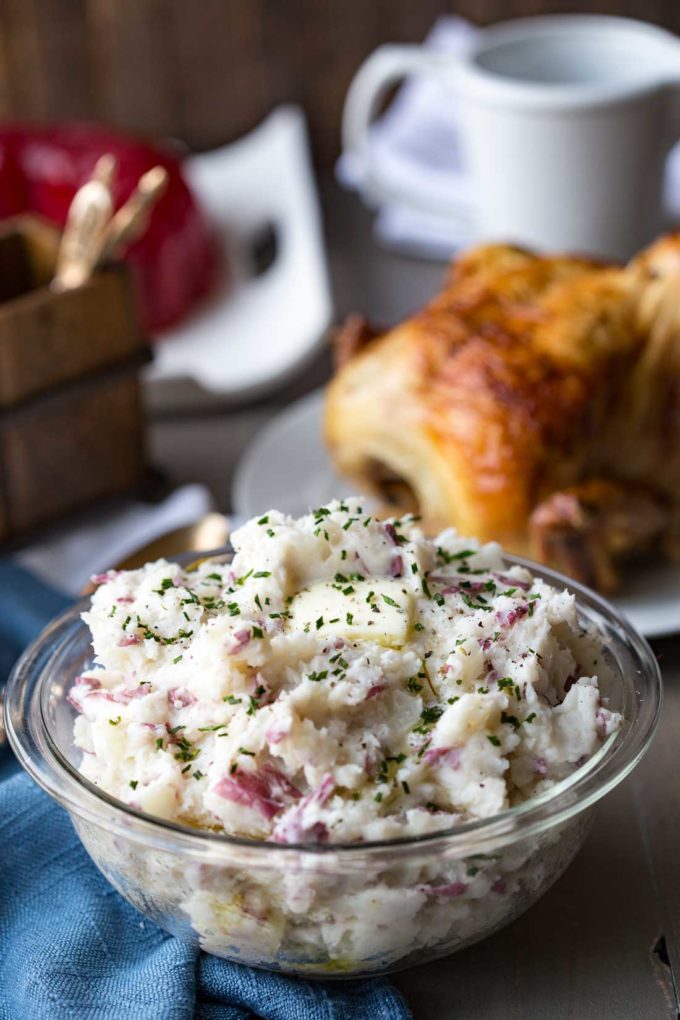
602,772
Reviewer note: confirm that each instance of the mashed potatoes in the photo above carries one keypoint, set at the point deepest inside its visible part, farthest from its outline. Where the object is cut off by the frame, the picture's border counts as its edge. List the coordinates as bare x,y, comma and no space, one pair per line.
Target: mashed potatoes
342,680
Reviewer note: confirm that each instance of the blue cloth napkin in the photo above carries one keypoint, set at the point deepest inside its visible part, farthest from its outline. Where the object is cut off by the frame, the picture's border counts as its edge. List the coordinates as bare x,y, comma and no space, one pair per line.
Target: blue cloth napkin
71,947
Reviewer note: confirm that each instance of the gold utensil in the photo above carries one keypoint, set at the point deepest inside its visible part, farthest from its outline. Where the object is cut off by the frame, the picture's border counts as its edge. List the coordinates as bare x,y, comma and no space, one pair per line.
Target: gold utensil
83,237
132,218
210,532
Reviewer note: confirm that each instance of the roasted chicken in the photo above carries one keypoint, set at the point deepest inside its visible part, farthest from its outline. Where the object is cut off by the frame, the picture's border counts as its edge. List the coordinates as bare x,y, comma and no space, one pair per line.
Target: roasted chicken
535,401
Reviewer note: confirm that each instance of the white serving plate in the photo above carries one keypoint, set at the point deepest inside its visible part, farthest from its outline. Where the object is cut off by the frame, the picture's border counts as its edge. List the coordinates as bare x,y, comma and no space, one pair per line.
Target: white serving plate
287,466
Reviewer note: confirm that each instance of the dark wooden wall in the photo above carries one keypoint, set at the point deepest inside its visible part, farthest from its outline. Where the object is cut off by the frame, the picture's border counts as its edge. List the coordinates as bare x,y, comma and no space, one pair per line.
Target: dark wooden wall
205,71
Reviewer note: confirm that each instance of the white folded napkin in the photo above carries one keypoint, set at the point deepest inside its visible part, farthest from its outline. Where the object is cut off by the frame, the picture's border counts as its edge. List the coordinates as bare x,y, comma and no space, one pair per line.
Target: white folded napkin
72,554
415,143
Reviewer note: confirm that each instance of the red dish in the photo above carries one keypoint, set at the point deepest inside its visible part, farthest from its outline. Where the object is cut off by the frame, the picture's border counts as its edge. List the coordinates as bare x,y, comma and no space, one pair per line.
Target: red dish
175,261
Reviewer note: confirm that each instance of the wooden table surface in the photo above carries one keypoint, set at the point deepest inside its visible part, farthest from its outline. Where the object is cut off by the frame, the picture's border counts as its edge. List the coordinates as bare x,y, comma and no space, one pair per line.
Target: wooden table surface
604,942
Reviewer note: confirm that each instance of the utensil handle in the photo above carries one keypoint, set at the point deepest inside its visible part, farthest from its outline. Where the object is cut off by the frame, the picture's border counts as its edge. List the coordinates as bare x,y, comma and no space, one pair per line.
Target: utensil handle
83,235
132,219
384,69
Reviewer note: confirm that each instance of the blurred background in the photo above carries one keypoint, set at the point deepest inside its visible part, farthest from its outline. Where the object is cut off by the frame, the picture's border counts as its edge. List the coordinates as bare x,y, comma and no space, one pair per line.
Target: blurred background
208,72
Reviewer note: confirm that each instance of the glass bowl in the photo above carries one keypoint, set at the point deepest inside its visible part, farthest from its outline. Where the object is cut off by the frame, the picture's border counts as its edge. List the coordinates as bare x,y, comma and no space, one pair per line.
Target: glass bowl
330,910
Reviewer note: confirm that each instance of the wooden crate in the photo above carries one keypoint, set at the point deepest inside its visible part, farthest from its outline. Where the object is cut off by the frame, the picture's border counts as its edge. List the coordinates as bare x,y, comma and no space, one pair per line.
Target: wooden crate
71,417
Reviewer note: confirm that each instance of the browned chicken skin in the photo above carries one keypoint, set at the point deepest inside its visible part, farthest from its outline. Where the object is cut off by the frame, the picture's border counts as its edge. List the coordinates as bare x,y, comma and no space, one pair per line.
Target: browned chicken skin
535,400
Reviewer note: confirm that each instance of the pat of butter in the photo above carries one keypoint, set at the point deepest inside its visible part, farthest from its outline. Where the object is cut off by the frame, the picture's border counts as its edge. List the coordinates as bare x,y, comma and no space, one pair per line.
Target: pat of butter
377,610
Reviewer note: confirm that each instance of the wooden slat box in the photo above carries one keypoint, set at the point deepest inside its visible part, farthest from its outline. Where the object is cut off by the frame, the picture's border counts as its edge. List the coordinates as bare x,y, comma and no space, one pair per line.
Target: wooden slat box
71,419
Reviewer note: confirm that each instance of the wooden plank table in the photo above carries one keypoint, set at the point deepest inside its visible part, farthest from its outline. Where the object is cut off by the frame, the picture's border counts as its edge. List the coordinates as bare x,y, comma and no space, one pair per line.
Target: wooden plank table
604,942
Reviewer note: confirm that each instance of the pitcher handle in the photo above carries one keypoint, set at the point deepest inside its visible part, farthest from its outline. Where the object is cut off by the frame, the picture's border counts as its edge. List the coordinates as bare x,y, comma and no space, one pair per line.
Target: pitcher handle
384,69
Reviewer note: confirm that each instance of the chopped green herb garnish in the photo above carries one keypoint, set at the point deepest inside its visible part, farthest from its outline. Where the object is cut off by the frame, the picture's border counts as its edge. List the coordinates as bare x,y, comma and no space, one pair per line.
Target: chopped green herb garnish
388,600
494,740
431,715
447,557
133,784
511,720
231,700
166,583
114,722
315,677
398,758
530,718
242,750
424,747
177,659
258,632
187,751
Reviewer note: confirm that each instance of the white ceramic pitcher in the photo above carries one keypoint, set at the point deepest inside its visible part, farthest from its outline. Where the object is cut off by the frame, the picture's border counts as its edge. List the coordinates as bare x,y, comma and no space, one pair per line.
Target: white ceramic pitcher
565,122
